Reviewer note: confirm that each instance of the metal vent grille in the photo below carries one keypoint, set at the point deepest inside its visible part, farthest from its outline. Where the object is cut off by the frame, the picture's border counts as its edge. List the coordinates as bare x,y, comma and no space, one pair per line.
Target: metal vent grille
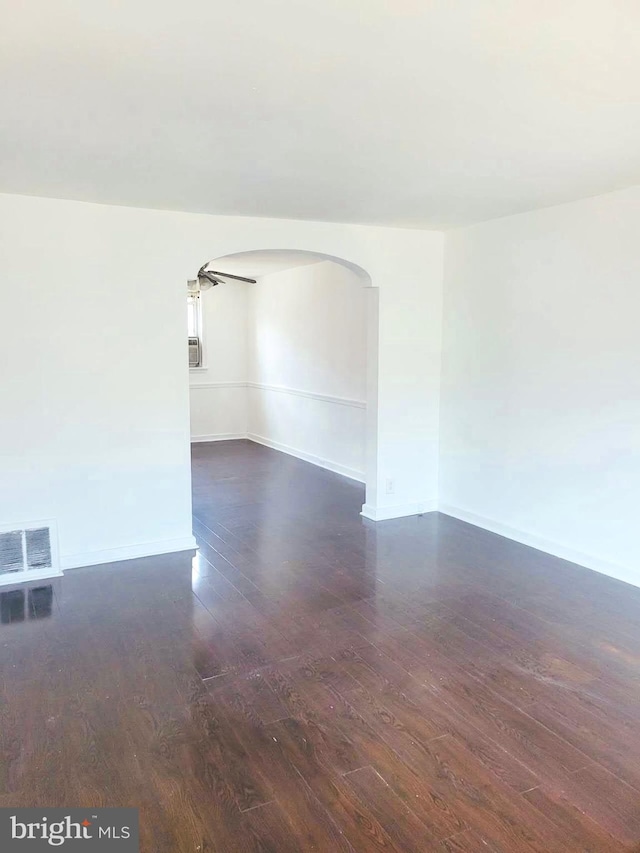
26,551
38,548
11,552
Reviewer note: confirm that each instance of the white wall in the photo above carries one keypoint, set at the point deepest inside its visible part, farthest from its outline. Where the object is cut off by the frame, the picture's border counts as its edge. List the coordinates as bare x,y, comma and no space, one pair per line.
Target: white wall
94,429
540,429
307,351
541,395
218,391
94,421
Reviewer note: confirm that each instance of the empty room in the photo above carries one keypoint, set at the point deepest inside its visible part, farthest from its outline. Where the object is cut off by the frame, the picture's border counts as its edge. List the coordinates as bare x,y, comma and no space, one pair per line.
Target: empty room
320,426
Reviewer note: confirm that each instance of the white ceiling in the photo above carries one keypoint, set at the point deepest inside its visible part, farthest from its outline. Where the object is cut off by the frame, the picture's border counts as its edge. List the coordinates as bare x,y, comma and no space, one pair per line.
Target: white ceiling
418,113
263,262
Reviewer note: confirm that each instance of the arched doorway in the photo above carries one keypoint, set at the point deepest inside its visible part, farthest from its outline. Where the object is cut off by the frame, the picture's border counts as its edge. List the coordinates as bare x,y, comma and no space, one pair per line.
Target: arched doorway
243,393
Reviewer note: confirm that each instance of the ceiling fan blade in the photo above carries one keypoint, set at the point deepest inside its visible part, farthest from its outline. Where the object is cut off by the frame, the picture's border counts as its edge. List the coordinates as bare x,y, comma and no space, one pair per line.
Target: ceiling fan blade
203,274
229,275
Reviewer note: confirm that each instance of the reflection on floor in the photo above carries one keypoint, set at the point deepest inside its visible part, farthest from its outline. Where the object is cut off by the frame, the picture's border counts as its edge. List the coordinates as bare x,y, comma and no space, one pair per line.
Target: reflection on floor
25,602
313,681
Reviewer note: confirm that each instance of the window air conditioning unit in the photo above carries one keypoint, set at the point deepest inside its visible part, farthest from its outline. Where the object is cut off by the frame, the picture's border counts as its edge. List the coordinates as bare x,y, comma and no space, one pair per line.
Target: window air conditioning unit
28,551
194,352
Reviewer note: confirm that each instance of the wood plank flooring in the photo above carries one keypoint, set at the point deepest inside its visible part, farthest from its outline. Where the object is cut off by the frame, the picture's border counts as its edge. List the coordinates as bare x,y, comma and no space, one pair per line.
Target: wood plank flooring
312,681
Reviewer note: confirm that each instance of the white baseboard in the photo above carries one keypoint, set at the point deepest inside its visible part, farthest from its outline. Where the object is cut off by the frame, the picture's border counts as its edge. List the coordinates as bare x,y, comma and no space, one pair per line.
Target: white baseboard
219,436
128,552
385,513
309,457
613,570
18,578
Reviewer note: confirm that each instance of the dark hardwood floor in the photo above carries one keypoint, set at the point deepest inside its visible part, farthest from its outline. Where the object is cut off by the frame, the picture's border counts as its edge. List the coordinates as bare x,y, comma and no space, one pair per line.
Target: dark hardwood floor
318,682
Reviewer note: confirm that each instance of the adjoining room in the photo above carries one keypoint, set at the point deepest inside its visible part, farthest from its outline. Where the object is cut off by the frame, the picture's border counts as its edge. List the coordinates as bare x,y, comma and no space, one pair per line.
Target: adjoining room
282,343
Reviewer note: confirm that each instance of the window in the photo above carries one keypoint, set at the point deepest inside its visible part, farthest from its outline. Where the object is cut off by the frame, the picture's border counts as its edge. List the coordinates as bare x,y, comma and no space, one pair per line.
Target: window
194,328
193,316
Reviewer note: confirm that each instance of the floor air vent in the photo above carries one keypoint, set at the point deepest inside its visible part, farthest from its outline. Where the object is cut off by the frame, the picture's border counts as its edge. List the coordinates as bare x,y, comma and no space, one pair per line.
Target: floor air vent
28,552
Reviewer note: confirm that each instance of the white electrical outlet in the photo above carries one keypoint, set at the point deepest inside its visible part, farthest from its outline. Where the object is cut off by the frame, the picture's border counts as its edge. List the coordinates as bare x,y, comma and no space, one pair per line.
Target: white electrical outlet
390,486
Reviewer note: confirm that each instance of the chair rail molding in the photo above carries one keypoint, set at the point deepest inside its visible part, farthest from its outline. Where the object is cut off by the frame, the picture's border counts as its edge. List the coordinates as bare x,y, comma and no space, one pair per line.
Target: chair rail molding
280,389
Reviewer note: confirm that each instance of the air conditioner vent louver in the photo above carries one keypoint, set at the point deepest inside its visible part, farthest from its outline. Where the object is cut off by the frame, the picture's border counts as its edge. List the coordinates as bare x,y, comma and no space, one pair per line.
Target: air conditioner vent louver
194,352
26,552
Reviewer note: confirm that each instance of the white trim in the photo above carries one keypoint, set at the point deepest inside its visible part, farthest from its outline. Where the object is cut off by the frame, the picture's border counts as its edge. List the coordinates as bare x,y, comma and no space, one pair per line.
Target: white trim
219,436
385,513
18,578
352,473
280,389
215,384
311,395
128,552
628,574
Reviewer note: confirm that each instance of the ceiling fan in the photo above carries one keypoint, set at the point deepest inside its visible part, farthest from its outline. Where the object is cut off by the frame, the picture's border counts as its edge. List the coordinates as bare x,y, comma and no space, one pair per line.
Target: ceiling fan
210,278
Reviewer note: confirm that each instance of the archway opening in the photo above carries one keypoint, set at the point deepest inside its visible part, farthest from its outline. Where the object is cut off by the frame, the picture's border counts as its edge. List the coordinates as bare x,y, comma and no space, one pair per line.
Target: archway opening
289,344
